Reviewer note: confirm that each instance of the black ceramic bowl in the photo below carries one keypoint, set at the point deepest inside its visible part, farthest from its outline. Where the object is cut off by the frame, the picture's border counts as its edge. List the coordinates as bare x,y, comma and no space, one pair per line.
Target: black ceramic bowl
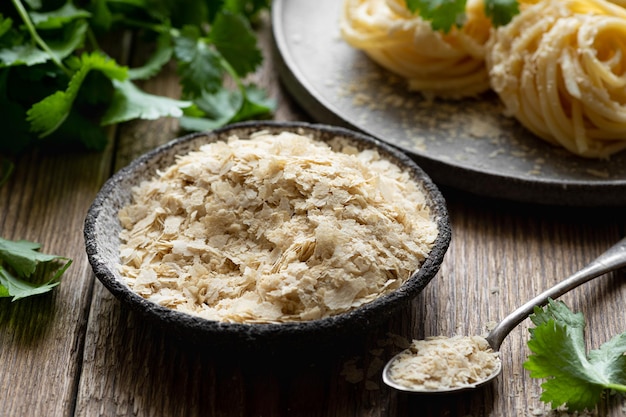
102,229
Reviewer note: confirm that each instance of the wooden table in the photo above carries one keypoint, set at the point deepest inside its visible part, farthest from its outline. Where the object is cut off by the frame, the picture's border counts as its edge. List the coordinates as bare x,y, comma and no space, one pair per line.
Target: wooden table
79,352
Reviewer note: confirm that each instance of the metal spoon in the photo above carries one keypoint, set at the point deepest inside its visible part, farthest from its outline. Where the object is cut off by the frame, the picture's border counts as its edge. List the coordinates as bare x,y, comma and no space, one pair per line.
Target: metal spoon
613,259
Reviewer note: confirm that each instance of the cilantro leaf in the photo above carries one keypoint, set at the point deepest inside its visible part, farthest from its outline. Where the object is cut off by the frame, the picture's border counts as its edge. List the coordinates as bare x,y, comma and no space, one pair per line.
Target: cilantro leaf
73,38
445,14
5,24
232,36
22,255
101,16
57,18
442,14
501,11
200,123
11,286
211,111
214,7
179,13
256,104
574,378
215,110
27,54
199,66
78,128
19,263
129,102
159,58
48,114
35,4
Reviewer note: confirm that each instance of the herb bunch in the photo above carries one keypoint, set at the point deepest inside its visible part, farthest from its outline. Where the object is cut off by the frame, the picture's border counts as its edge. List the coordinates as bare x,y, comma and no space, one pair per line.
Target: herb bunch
58,85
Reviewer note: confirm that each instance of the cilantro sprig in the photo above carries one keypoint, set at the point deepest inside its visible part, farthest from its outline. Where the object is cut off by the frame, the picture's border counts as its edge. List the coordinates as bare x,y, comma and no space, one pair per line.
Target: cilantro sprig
443,15
59,86
25,271
575,378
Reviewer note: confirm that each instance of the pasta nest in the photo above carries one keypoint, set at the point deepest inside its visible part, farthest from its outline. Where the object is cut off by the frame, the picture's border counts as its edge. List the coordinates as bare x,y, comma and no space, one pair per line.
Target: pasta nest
560,69
449,65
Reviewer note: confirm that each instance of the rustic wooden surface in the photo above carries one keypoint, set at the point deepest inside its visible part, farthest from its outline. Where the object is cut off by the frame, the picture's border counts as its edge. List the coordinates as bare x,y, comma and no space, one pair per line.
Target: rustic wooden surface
79,352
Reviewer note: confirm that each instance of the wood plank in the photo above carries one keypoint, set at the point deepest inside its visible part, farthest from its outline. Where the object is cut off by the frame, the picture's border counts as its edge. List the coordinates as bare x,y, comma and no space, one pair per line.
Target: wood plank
41,338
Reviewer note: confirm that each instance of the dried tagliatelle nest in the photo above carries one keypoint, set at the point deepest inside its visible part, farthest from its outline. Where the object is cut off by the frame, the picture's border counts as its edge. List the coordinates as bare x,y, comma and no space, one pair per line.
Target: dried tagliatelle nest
274,228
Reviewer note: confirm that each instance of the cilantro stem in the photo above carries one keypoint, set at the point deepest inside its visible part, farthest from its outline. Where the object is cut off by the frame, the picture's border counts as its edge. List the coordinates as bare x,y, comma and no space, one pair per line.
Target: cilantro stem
33,32
616,387
143,25
233,74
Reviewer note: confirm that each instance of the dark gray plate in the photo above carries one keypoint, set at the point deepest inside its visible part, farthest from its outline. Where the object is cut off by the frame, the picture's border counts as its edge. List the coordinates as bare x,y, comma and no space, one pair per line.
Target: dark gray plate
467,144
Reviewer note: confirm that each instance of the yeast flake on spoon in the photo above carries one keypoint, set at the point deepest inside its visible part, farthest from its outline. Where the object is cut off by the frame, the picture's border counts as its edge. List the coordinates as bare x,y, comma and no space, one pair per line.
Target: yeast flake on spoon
425,366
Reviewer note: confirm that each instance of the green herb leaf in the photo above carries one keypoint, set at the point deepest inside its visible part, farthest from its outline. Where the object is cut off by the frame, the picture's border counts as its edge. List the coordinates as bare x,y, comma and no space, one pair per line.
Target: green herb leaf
5,25
575,378
256,104
199,123
20,261
27,54
211,111
4,292
217,109
129,102
159,58
232,36
78,128
446,14
73,38
101,16
35,4
23,256
47,115
442,14
11,286
501,11
57,18
199,66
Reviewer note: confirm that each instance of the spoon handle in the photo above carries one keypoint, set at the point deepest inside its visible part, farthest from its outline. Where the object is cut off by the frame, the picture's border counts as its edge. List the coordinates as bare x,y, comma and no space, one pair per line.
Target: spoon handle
614,258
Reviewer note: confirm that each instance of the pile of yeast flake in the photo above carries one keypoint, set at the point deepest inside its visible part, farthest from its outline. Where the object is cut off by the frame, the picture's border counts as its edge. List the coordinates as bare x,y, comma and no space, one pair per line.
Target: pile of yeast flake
274,228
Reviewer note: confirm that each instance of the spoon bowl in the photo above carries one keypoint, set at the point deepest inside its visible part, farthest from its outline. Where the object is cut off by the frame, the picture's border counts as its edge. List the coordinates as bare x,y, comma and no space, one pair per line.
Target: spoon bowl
611,260
388,379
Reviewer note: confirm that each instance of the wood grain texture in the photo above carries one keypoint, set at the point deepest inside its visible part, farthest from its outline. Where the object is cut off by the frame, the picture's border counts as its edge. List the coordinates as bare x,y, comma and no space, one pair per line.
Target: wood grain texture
41,339
79,352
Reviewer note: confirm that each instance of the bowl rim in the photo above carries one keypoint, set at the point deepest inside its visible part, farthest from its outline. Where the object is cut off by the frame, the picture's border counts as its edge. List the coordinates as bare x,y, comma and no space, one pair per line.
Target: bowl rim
361,318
